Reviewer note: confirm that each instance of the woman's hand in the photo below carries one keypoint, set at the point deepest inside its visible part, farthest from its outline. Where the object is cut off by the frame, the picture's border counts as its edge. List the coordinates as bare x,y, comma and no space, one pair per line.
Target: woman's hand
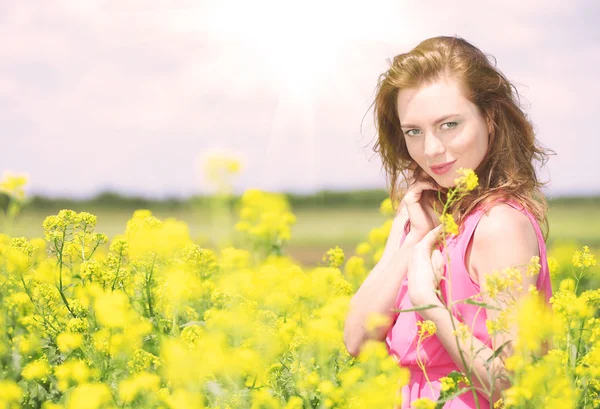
422,217
425,270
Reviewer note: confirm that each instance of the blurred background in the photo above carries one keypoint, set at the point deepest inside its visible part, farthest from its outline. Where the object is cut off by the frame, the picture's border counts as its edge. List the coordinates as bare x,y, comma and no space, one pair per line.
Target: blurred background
109,106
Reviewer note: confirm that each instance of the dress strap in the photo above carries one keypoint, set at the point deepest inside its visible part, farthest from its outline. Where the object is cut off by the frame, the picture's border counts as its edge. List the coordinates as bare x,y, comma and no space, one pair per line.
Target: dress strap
472,221
468,228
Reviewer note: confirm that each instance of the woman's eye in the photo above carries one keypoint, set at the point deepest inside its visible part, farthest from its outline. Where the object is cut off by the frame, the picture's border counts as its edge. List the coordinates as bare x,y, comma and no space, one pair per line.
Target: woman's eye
409,132
452,124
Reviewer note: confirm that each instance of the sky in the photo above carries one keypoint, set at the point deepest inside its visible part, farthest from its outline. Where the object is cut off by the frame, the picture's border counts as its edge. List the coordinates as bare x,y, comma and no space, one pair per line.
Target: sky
130,95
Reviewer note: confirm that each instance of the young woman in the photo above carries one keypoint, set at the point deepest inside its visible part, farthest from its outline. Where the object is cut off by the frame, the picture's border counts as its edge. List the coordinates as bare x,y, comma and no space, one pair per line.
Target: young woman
440,107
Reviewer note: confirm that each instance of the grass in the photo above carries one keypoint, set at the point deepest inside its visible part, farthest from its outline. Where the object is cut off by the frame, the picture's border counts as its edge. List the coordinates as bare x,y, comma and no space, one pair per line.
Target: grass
317,230
579,223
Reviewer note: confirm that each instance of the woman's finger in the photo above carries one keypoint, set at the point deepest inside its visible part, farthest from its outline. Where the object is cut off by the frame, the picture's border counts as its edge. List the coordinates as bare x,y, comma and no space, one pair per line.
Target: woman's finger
414,192
438,262
429,240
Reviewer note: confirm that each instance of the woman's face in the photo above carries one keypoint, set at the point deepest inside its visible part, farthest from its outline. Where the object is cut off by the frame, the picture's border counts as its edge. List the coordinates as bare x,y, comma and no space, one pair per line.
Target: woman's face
441,126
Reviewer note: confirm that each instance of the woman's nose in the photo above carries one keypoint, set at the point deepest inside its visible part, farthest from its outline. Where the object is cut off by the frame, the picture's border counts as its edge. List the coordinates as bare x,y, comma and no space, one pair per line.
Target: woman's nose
433,146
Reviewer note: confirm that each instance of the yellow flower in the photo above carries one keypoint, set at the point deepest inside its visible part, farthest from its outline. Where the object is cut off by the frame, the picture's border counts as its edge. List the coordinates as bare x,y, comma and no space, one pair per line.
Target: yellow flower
141,382
10,393
447,384
112,309
36,370
78,325
232,257
372,350
386,208
583,258
462,331
498,325
355,268
536,323
27,344
219,169
533,290
334,257
534,266
567,285
553,266
423,403
326,387
76,371
143,360
426,329
89,396
450,226
378,254
13,184
67,341
497,282
375,321
295,402
263,399
351,376
363,248
468,180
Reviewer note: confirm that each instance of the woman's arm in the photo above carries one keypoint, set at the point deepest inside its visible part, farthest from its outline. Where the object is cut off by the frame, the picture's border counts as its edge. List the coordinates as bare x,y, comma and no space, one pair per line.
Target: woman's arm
502,239
379,291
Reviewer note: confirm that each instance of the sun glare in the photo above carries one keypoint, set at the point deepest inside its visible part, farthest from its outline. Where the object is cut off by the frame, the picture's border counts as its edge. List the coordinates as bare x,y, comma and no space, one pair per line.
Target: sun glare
298,44
305,53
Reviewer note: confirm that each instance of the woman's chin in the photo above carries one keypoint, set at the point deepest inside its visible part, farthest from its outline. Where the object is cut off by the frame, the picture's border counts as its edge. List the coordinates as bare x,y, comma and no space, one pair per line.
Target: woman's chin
444,182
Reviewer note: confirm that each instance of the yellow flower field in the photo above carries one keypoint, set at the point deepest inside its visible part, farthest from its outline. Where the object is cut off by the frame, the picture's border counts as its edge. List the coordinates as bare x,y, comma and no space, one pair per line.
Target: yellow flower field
150,319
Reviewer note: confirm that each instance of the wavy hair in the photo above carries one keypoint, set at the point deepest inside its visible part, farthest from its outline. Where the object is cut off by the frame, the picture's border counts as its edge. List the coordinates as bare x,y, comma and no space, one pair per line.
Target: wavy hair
507,171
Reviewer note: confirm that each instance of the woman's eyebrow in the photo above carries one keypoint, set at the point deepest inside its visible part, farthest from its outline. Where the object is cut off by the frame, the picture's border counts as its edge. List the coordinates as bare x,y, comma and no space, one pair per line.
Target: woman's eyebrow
437,121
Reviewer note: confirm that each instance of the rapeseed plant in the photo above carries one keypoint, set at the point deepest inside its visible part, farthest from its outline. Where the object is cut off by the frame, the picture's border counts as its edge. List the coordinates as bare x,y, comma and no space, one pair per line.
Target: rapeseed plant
149,319
13,186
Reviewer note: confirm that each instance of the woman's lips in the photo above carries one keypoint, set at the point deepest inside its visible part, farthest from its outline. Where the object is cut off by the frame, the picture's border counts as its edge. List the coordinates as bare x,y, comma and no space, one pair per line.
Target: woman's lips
440,170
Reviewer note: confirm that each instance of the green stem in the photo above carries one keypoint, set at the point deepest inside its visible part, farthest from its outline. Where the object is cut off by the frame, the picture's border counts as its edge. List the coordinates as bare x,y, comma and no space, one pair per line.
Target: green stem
148,289
449,307
60,274
117,272
36,307
92,252
174,326
579,341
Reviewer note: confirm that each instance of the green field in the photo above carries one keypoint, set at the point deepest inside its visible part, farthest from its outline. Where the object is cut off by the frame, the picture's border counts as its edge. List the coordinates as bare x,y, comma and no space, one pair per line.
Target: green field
316,230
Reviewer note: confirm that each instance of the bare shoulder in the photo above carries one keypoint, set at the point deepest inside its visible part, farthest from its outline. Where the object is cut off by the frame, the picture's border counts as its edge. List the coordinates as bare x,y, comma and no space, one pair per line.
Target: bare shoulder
504,237
503,222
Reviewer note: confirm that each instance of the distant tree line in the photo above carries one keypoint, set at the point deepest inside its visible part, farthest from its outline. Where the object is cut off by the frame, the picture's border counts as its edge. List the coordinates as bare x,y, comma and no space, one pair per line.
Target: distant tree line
324,199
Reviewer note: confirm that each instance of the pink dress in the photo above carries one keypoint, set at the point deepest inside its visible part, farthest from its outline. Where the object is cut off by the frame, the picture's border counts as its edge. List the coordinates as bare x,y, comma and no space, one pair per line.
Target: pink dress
402,337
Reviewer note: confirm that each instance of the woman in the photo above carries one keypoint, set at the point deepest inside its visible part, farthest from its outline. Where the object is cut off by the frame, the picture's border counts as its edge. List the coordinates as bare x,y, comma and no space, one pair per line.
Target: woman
440,107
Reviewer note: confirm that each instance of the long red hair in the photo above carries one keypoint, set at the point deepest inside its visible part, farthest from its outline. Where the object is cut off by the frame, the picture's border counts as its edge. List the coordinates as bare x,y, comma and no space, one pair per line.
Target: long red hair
508,170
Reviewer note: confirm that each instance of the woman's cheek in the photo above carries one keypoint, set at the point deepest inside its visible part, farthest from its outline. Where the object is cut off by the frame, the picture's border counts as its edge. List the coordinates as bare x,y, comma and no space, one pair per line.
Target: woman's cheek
413,151
460,142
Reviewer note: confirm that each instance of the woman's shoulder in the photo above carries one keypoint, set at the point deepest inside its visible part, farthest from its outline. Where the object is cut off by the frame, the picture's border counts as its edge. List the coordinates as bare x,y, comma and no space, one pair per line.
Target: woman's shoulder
505,234
506,221
505,217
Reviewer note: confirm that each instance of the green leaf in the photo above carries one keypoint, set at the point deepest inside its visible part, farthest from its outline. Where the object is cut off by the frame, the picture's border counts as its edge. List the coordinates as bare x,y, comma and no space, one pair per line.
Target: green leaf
497,352
454,395
480,304
33,390
420,308
187,324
